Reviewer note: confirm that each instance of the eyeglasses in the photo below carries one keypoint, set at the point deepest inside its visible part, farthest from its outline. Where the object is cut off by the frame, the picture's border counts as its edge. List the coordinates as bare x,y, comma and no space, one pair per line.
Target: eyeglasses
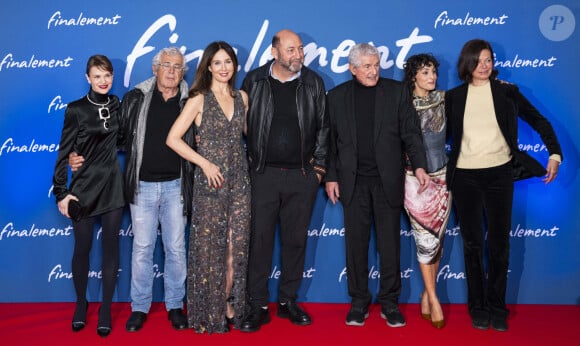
104,115
167,66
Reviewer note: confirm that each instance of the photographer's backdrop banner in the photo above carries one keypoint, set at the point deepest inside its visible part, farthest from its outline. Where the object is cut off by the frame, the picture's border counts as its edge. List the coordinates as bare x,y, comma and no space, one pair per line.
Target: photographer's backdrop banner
44,46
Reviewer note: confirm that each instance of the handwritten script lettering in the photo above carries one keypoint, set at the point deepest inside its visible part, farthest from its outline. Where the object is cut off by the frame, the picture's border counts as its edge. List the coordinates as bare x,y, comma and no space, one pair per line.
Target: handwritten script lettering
57,20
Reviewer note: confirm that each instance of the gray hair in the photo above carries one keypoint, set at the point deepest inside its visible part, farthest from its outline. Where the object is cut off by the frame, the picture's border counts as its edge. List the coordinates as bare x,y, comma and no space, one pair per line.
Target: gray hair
169,51
361,49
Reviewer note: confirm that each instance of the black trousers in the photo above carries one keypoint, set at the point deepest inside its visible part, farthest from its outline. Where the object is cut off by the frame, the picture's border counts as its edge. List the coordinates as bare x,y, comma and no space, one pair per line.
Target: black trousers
287,196
369,202
477,193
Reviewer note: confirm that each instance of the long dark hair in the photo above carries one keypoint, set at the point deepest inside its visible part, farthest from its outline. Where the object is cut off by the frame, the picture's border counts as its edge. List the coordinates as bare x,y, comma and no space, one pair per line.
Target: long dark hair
469,58
202,80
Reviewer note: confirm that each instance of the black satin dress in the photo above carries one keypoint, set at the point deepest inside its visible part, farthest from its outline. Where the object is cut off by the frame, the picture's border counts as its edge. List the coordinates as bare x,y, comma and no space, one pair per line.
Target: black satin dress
98,183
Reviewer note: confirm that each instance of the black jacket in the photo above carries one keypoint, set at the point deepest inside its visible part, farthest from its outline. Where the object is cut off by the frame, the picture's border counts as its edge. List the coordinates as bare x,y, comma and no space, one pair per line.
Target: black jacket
396,131
134,110
310,103
509,104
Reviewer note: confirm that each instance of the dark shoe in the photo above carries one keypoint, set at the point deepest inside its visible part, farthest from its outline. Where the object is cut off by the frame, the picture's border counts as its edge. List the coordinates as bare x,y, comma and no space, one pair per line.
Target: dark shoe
479,322
104,324
178,320
135,321
499,324
292,311
255,319
230,320
78,325
103,331
393,316
80,316
357,316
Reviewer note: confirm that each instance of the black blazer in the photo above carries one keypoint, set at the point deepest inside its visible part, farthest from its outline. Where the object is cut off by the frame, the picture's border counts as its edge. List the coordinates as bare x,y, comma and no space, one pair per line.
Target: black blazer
397,130
509,104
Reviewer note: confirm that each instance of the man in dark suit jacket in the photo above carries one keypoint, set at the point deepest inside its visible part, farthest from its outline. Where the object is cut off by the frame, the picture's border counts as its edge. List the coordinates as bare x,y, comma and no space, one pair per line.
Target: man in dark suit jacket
372,125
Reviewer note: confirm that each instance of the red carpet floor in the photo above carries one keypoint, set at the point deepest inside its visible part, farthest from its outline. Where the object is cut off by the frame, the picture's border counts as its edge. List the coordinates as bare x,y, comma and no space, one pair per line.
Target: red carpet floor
49,324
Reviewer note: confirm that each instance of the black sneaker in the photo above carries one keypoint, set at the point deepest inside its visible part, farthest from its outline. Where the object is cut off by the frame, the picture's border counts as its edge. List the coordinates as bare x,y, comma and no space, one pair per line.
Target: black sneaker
393,316
357,316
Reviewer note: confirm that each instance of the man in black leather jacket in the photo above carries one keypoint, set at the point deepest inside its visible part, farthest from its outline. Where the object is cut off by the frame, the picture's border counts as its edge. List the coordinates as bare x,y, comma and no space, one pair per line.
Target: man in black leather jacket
158,186
287,142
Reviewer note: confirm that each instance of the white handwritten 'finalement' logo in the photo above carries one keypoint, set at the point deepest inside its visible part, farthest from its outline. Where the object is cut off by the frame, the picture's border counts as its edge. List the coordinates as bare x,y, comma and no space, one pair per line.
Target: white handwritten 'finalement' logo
307,274
443,19
375,274
57,273
56,104
57,20
445,273
517,62
326,232
8,146
520,232
312,51
33,63
34,232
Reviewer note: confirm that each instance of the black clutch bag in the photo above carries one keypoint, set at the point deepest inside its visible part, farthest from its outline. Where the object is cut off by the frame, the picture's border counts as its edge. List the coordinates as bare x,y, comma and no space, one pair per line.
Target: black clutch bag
75,210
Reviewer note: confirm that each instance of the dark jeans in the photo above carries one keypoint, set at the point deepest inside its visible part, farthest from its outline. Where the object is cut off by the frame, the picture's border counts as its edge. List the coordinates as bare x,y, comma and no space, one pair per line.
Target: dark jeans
477,193
287,196
369,202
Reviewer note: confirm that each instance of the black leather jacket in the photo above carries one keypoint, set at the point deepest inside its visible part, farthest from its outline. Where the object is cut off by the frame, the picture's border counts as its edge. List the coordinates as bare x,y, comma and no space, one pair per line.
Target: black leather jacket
310,103
134,110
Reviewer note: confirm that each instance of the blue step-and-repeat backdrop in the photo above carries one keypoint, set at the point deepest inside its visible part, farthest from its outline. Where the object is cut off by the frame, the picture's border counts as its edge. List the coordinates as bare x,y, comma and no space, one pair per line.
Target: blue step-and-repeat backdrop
44,46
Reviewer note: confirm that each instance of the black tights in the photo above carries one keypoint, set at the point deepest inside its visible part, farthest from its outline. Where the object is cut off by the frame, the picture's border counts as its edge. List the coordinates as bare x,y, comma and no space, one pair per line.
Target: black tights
83,231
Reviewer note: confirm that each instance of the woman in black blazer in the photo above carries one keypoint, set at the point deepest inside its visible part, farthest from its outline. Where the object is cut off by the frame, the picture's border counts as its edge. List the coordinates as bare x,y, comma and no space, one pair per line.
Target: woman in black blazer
483,116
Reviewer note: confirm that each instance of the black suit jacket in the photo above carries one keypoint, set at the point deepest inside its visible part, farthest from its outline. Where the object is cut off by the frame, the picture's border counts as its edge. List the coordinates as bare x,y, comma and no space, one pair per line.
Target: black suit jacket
509,104
397,130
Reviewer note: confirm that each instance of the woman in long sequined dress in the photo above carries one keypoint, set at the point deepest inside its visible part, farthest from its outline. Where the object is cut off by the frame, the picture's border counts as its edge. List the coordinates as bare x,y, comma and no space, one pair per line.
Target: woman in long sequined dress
218,244
428,211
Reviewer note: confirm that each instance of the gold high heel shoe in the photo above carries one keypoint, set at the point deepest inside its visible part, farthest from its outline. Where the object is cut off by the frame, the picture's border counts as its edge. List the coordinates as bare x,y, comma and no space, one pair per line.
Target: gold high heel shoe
438,324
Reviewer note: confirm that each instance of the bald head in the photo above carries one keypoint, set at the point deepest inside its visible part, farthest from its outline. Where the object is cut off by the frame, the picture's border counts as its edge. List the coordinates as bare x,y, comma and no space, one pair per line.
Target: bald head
288,52
285,35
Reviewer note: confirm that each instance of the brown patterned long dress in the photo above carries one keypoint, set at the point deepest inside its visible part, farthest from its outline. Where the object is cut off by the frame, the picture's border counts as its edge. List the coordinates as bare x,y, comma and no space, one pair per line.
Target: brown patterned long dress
216,213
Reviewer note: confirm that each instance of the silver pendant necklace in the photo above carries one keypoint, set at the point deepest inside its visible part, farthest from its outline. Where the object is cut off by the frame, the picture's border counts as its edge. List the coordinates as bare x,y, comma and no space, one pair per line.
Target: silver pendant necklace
104,114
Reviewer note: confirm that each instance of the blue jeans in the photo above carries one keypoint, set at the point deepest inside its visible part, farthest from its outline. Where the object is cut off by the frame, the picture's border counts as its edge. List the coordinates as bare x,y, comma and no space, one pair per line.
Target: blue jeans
158,203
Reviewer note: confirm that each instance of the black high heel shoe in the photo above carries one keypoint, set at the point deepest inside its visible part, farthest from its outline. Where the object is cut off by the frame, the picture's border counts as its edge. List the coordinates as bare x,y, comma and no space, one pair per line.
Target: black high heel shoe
230,320
80,316
104,324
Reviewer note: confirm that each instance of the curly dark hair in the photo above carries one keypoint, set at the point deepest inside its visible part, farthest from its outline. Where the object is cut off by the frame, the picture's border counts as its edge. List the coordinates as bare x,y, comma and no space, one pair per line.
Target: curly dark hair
414,64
